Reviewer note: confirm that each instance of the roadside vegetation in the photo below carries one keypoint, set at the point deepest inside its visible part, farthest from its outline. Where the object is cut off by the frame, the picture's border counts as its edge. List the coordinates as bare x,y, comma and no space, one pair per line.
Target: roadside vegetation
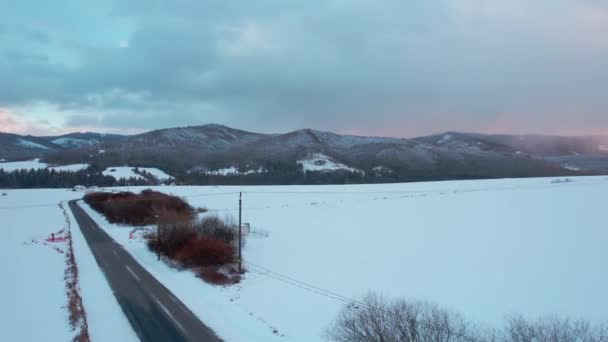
377,318
140,209
208,245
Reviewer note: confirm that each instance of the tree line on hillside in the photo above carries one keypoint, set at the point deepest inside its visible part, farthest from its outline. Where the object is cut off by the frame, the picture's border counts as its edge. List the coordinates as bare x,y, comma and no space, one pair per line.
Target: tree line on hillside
275,175
186,168
290,173
50,178
190,166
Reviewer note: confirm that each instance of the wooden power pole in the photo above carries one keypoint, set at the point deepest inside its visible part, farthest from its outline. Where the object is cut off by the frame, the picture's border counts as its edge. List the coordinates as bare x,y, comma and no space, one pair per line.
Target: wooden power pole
240,233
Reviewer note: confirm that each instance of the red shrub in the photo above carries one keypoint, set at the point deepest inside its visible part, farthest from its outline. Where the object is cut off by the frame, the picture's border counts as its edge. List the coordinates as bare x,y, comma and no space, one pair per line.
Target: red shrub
205,252
137,209
173,240
215,228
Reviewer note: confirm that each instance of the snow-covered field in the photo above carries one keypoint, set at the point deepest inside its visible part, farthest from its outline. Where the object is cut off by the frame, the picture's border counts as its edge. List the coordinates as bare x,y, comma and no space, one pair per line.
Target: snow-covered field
126,172
28,164
36,164
33,290
158,173
487,249
321,162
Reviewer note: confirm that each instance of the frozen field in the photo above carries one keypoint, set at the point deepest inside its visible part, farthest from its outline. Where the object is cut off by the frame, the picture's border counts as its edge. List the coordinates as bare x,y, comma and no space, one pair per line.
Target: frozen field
487,249
33,296
484,248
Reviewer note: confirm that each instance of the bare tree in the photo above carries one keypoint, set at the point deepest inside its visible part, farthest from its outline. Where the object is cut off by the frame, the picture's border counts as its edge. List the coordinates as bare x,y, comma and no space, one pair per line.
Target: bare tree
554,329
377,319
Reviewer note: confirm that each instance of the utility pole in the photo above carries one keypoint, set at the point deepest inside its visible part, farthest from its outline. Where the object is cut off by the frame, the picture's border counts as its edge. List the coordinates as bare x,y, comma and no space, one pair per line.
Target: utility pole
240,233
158,239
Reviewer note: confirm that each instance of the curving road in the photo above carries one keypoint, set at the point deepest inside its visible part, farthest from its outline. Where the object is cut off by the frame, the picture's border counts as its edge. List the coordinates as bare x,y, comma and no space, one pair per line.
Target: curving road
153,311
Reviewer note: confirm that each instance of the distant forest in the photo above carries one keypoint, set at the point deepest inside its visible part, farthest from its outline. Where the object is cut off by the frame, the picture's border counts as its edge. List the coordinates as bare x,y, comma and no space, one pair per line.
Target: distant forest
49,178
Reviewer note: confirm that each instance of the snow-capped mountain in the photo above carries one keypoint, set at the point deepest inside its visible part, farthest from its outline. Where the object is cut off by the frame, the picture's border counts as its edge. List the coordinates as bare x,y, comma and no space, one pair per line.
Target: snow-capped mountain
13,146
80,140
214,147
209,138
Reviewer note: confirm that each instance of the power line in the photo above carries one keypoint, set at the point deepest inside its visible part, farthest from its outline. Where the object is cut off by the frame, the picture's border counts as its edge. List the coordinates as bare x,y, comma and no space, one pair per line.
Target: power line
30,206
299,284
334,192
43,205
212,194
389,192
314,289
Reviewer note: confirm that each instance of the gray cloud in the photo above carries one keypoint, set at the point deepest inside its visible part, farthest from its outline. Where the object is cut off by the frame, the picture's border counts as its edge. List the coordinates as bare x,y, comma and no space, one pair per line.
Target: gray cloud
399,68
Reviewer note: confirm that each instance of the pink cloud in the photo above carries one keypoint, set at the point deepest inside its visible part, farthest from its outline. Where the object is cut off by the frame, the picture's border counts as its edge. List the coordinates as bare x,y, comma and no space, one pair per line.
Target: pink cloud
13,122
544,121
10,123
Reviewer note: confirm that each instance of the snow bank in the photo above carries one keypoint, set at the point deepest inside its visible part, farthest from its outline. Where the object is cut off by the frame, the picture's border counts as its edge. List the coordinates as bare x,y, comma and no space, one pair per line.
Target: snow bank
106,320
33,293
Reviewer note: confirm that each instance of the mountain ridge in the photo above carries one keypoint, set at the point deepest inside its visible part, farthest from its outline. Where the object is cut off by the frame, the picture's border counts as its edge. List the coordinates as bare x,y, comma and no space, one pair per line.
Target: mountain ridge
449,155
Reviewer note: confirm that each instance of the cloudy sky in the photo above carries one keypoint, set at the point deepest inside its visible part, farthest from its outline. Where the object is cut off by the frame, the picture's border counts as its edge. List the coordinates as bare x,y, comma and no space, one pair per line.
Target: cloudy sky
399,68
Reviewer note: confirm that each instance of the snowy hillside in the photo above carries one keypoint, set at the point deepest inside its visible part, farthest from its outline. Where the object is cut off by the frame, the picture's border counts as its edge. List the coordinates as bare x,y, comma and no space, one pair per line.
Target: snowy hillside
484,248
36,164
74,142
158,173
126,172
323,163
31,144
28,164
121,172
451,155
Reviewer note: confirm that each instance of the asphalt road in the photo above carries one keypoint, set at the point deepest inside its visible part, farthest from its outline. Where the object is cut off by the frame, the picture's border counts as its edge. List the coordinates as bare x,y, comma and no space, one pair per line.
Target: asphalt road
153,311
